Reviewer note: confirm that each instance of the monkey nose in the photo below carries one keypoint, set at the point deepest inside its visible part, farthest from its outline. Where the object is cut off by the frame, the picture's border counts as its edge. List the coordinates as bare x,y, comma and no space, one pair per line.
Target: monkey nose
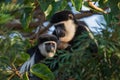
60,33
50,49
57,32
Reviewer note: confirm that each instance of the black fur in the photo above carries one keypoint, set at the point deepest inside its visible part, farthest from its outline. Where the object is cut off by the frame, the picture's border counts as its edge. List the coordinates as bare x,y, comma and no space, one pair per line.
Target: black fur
47,37
60,16
38,56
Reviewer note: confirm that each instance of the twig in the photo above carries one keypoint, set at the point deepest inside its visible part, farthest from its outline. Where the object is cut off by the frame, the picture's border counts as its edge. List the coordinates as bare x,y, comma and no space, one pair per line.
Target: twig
84,14
14,72
41,31
11,76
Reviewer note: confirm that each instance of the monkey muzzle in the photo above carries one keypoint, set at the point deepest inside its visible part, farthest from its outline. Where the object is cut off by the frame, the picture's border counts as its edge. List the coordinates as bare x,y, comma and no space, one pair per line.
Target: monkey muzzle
60,32
50,46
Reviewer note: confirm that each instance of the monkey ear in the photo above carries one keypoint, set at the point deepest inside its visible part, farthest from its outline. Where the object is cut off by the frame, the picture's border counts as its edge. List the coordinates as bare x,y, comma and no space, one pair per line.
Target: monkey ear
70,16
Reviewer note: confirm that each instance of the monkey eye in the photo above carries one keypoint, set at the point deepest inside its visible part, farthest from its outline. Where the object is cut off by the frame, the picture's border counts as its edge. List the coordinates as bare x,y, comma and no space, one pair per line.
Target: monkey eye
60,25
50,44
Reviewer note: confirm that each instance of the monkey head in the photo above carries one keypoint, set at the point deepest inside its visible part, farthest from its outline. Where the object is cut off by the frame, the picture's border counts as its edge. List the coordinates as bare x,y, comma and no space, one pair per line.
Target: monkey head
65,25
47,45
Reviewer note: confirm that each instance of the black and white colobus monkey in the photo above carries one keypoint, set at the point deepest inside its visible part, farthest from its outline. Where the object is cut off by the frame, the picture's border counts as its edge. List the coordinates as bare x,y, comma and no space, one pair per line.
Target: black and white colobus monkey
67,28
46,47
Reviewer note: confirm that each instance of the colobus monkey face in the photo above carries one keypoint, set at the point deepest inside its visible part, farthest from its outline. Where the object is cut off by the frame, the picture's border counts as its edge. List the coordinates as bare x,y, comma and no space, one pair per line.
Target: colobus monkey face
48,48
65,26
47,45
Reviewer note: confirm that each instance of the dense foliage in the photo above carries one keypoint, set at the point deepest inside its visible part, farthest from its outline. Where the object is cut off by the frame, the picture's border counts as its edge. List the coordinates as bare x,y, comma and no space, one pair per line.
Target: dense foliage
76,65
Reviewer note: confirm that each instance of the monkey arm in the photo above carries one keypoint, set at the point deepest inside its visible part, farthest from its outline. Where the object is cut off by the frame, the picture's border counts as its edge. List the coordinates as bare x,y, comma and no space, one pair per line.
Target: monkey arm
93,46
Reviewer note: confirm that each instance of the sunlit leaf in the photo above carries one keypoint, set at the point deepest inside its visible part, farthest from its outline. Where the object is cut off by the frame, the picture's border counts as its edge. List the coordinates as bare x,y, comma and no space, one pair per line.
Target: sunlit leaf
8,7
119,5
5,18
49,9
45,4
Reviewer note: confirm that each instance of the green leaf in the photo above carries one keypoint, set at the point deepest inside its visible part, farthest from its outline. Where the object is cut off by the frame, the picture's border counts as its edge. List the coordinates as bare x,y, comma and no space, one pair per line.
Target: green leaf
57,6
63,4
9,7
4,60
25,76
44,4
42,71
22,57
77,4
5,18
26,18
114,6
25,56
